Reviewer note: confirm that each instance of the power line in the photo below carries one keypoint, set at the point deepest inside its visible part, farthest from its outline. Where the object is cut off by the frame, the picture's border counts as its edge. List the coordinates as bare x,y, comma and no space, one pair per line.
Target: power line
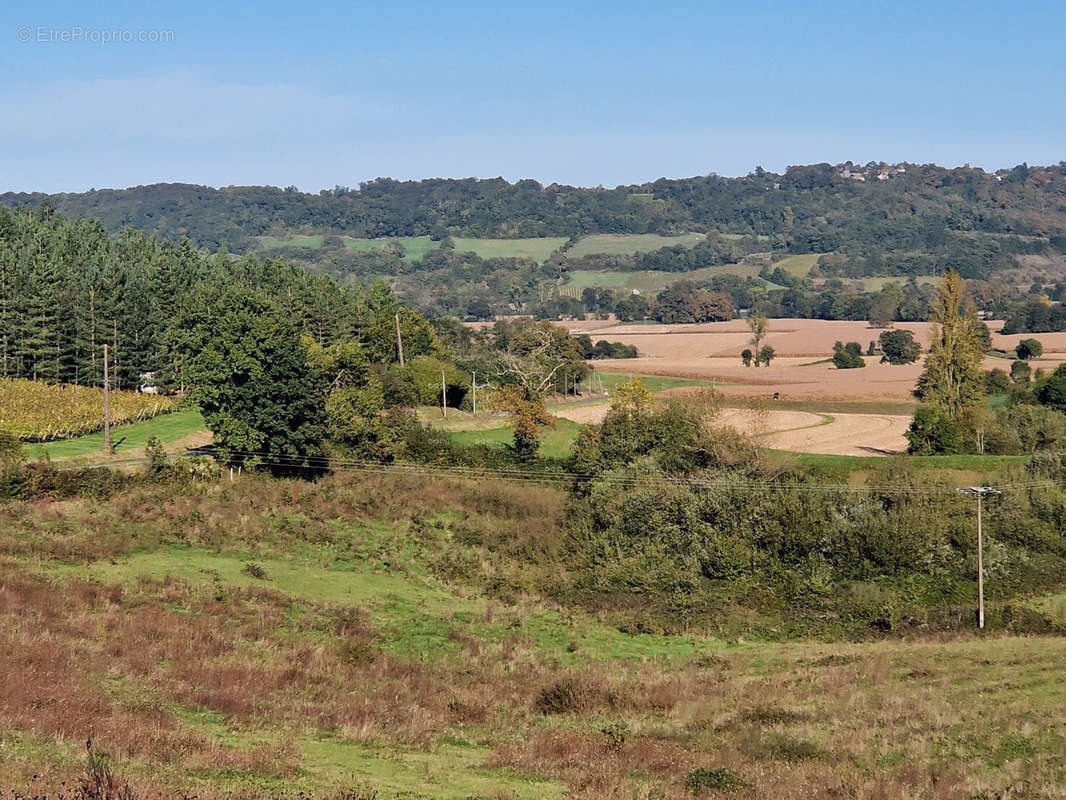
281,460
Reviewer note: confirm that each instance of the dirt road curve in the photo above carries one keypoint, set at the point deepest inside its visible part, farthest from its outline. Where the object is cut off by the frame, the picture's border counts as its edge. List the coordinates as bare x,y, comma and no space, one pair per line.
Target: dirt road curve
799,431
847,435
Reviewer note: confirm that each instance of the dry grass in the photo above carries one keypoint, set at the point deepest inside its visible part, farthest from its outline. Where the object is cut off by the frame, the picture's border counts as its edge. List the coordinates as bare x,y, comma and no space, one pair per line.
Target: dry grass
220,686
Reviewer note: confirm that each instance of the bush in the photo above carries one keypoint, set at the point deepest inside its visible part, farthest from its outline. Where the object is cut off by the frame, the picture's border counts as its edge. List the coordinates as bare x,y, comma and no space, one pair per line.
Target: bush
563,697
713,779
932,432
1053,390
616,734
997,381
847,359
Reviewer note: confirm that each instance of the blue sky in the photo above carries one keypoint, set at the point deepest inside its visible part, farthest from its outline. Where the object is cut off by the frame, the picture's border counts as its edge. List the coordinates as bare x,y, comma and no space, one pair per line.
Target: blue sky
319,94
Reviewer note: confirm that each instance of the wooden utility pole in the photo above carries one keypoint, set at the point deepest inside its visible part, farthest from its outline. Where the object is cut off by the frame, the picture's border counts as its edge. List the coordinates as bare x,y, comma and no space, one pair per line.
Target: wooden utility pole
980,570
980,492
399,338
443,395
107,406
473,386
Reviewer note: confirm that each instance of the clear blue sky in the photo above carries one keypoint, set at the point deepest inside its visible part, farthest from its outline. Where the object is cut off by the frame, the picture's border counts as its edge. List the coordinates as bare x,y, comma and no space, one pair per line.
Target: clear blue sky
319,94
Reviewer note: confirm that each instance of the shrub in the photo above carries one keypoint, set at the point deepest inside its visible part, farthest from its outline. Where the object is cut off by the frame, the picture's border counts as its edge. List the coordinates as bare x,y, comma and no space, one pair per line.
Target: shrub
846,359
932,432
99,782
562,697
997,381
255,571
616,734
713,779
1020,372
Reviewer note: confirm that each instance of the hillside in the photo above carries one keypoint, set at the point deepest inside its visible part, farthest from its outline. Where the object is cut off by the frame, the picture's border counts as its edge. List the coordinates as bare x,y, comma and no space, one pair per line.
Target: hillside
383,638
816,208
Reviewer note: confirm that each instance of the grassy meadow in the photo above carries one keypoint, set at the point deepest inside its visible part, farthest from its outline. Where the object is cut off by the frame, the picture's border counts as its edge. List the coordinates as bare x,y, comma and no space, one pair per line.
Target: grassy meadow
798,266
653,281
415,247
537,249
624,244
370,638
127,440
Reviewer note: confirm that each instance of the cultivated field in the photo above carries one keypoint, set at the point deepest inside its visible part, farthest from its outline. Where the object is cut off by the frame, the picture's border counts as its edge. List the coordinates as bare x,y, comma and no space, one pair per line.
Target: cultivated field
39,412
847,434
799,266
711,351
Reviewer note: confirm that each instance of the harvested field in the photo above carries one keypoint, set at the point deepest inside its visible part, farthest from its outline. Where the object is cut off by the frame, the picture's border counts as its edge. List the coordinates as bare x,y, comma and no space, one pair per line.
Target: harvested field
788,337
798,431
710,351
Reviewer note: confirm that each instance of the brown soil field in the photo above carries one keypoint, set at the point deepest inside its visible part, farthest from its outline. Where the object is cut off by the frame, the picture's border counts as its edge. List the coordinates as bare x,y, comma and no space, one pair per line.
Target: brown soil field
798,431
801,371
789,337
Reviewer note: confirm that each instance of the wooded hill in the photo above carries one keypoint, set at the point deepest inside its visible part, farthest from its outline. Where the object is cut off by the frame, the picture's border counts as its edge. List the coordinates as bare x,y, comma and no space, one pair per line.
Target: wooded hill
819,208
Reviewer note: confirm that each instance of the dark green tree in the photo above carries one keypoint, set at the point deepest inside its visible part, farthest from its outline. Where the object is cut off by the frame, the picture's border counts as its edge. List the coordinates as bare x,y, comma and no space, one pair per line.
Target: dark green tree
1029,348
249,373
899,347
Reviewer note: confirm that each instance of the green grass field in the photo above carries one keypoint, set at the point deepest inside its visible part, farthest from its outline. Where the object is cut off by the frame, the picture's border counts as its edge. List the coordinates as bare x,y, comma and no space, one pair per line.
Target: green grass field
653,383
799,266
621,244
965,463
557,441
129,440
415,247
310,241
536,248
651,281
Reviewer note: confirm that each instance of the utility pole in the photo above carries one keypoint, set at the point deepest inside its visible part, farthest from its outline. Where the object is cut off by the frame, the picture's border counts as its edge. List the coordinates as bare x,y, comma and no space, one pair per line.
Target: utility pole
399,339
473,386
107,406
443,395
980,492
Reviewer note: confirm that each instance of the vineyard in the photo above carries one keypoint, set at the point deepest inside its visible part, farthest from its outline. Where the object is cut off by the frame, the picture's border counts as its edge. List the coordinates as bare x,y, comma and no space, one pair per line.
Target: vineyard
39,412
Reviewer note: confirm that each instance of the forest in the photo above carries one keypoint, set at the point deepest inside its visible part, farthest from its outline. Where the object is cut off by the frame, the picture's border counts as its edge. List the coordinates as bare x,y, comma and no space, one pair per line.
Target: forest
919,222
807,209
